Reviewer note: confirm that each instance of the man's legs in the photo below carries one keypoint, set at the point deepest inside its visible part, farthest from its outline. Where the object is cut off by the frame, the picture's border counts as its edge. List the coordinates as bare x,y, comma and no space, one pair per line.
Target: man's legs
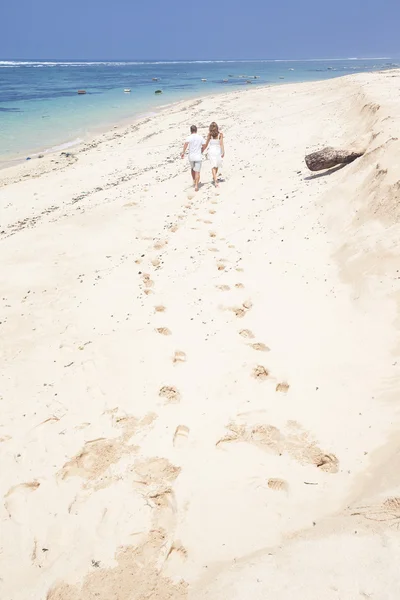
196,167
196,180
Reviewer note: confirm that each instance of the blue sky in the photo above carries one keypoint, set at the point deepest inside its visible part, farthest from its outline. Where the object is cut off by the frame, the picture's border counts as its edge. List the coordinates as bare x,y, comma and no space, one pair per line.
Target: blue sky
201,29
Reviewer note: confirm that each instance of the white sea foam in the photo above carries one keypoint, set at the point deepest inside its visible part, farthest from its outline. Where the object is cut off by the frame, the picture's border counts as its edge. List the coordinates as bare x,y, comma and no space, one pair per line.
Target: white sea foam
57,148
146,114
65,145
23,63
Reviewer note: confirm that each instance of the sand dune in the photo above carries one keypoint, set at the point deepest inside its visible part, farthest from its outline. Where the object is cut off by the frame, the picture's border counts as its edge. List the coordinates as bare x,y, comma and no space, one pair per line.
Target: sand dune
200,391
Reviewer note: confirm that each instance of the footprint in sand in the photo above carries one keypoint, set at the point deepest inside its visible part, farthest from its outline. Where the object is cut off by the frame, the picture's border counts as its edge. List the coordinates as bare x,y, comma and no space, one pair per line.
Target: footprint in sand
156,470
163,331
160,244
212,234
148,283
160,308
282,387
239,286
93,461
212,212
181,436
296,442
242,310
260,347
221,266
261,435
155,478
278,485
179,357
16,497
96,456
327,462
170,393
260,373
155,262
176,556
239,312
223,288
246,333
247,304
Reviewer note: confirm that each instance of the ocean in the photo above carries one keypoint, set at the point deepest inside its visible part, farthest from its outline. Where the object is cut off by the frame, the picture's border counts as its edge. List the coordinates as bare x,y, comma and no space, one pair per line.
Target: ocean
40,109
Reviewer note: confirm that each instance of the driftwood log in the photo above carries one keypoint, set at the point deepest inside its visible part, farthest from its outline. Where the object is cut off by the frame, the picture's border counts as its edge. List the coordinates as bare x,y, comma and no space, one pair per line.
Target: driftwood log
330,157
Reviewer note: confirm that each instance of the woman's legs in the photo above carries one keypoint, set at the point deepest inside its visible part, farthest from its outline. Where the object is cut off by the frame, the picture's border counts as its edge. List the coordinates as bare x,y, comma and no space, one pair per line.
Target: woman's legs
214,174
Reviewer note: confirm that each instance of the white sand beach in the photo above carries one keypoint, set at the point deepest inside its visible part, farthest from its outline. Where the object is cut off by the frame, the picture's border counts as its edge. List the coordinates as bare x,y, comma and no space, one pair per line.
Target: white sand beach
200,392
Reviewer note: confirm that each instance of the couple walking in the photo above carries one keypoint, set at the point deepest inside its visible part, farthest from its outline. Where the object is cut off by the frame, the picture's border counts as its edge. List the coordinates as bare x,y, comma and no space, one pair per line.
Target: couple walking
214,145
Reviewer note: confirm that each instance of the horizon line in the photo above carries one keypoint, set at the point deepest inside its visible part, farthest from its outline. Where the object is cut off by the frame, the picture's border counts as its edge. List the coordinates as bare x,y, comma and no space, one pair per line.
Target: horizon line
189,60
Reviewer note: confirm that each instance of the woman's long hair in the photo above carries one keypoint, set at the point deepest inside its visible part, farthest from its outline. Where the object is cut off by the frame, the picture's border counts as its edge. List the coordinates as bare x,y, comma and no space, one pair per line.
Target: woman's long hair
213,129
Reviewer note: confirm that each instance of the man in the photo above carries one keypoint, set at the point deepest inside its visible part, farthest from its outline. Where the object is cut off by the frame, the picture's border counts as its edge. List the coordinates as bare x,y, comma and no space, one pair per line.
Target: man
196,144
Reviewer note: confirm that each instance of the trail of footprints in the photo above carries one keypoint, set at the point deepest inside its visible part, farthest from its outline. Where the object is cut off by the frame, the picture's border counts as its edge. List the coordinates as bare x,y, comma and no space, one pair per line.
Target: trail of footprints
168,393
296,443
155,476
268,437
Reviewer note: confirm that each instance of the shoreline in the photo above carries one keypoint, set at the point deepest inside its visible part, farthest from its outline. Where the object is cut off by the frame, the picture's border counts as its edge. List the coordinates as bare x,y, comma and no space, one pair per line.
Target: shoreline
100,130
201,390
11,160
122,127
102,134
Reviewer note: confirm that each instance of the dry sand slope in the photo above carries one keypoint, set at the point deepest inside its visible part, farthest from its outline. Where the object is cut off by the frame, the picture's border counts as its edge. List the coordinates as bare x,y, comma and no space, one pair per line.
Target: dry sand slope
199,393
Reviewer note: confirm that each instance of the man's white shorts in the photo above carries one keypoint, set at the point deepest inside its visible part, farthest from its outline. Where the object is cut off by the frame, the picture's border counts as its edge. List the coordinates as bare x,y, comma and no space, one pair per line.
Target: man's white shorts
196,165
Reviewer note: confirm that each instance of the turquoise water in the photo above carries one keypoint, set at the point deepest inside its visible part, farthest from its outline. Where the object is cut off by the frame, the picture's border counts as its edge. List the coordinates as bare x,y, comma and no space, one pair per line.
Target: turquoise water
40,108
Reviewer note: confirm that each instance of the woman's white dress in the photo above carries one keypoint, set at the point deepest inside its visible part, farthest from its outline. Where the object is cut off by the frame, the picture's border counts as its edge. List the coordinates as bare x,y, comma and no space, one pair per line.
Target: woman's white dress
214,153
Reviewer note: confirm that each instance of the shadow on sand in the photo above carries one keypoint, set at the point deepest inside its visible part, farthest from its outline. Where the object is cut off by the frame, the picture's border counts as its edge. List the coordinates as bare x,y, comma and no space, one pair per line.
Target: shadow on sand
325,173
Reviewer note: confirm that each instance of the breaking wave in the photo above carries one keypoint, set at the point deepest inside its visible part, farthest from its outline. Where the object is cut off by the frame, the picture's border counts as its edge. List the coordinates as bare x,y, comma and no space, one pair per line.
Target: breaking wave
51,63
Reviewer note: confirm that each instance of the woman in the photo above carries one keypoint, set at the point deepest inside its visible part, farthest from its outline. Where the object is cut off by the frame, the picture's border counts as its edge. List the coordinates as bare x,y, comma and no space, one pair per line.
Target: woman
216,150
